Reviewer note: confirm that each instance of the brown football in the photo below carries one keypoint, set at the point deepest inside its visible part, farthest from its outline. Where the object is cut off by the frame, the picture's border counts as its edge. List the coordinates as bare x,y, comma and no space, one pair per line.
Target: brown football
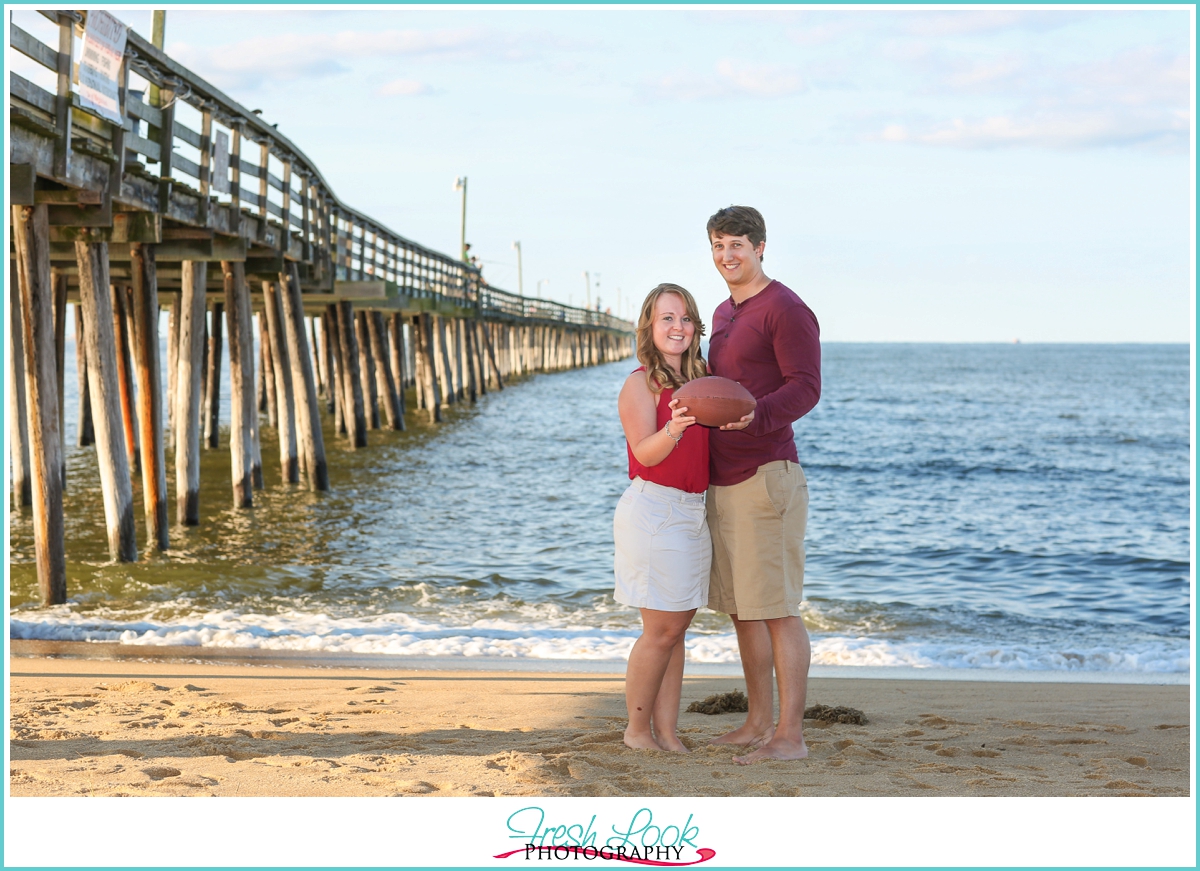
715,401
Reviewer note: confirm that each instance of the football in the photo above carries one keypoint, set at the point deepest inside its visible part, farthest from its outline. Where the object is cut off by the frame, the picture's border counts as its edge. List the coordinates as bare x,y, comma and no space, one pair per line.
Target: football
715,401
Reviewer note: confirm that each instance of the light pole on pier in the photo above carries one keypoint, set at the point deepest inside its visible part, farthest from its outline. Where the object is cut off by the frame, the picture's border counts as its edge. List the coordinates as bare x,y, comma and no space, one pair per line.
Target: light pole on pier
460,184
540,282
520,282
587,283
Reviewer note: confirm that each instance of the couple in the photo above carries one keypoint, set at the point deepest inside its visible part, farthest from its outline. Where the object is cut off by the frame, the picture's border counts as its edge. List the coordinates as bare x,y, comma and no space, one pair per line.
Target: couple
742,553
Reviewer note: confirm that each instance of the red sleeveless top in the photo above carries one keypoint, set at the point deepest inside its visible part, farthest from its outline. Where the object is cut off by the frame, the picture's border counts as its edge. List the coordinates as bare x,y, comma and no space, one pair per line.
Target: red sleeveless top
686,467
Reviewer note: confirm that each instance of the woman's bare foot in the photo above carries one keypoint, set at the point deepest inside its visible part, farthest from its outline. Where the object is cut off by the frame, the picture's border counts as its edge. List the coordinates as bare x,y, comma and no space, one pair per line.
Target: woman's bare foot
641,741
777,748
746,736
672,744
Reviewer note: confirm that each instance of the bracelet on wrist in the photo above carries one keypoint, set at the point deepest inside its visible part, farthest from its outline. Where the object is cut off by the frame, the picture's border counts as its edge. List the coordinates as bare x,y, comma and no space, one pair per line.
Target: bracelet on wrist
667,430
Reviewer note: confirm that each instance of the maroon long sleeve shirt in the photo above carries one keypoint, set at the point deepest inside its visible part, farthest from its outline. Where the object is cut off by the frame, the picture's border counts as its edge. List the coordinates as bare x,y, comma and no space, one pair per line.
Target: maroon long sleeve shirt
771,345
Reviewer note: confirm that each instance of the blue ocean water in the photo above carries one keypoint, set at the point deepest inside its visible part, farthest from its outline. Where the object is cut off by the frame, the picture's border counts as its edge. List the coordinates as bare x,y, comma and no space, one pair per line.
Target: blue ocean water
1014,508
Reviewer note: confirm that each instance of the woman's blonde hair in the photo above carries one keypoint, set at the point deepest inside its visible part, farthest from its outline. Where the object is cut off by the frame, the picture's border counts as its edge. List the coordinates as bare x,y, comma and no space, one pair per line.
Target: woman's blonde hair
658,374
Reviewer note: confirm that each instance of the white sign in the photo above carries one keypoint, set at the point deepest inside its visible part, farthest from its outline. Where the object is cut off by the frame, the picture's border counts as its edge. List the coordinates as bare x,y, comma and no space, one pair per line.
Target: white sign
100,64
220,177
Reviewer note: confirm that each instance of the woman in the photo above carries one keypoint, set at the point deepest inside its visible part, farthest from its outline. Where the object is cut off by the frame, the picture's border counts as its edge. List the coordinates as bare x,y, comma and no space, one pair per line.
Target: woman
663,550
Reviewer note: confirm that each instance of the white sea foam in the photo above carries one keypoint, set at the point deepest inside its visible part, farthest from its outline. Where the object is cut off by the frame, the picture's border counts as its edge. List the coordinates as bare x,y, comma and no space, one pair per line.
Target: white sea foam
403,635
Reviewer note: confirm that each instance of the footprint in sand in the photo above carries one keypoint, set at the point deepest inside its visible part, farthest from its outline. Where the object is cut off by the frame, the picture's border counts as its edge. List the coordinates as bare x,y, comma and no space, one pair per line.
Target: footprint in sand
131,754
133,686
222,708
161,772
936,722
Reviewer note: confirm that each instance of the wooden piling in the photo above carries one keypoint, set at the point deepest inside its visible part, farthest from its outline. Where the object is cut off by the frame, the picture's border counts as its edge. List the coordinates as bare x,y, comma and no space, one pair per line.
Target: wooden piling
187,393
59,280
456,359
318,366
417,334
304,383
366,366
86,435
104,387
464,331
172,356
328,359
22,483
356,422
491,353
212,381
444,372
125,377
399,356
383,373
433,402
281,366
31,237
480,368
243,412
145,310
333,349
269,401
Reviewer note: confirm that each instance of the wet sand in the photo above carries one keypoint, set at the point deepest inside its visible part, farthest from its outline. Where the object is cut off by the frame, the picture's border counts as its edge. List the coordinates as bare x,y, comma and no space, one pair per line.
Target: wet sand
172,727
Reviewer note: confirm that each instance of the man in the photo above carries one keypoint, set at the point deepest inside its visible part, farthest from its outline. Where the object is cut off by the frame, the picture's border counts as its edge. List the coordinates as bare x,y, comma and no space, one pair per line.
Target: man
767,339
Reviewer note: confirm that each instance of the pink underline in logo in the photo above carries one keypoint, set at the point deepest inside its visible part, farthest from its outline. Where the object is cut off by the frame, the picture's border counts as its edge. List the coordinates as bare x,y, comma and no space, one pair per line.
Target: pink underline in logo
705,855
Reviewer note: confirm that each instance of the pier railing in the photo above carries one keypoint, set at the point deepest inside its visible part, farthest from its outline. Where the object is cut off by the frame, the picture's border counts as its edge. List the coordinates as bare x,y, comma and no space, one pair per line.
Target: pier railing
258,196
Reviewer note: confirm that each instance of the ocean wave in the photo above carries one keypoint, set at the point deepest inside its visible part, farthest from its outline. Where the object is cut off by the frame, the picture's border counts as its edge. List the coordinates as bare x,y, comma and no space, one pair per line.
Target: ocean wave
403,635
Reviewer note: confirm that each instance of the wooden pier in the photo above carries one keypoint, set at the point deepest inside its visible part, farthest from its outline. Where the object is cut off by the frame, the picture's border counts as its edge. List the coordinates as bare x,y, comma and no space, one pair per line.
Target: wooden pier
231,229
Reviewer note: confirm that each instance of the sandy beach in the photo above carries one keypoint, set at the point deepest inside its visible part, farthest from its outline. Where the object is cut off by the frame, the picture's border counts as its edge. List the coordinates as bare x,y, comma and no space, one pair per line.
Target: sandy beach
170,727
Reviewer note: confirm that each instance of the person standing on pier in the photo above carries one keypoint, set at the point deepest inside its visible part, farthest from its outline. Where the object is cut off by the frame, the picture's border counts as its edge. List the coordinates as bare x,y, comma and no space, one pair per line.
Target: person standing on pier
663,552
767,339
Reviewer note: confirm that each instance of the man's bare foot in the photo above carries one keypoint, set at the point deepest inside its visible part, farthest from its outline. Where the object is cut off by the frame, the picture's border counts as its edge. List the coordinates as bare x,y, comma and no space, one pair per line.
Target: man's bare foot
746,736
672,744
640,741
777,748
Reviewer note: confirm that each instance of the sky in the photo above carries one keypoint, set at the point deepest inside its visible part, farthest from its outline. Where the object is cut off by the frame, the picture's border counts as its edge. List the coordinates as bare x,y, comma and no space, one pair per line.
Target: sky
974,175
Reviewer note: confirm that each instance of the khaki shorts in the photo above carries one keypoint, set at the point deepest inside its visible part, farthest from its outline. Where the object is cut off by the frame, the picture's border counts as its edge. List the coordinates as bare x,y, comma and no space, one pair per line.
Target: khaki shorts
757,531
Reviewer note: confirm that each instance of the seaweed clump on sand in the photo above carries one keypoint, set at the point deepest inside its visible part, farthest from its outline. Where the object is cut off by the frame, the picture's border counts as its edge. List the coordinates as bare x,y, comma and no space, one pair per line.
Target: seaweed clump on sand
840,714
721,703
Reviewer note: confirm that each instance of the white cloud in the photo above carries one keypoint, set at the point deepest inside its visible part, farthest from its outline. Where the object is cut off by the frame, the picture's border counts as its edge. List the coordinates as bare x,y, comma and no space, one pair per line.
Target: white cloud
1141,77
1136,97
762,80
731,79
971,21
403,88
248,63
1067,129
825,27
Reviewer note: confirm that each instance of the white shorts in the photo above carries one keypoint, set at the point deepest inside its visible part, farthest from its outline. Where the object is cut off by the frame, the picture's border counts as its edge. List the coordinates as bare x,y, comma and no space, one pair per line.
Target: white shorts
663,548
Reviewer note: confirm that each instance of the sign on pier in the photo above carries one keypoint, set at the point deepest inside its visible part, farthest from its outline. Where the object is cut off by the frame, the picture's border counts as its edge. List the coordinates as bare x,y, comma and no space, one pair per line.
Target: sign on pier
100,64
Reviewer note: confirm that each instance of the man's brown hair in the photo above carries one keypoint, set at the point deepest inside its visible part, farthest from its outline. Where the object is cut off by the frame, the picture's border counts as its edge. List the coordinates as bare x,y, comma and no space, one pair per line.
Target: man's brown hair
739,221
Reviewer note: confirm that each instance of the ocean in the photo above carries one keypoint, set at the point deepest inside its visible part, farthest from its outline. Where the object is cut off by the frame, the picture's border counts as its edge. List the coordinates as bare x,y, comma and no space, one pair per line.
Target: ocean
1016,511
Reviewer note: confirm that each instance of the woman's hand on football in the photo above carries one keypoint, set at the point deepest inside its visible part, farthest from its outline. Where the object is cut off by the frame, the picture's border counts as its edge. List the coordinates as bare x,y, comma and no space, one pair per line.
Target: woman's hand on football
680,419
